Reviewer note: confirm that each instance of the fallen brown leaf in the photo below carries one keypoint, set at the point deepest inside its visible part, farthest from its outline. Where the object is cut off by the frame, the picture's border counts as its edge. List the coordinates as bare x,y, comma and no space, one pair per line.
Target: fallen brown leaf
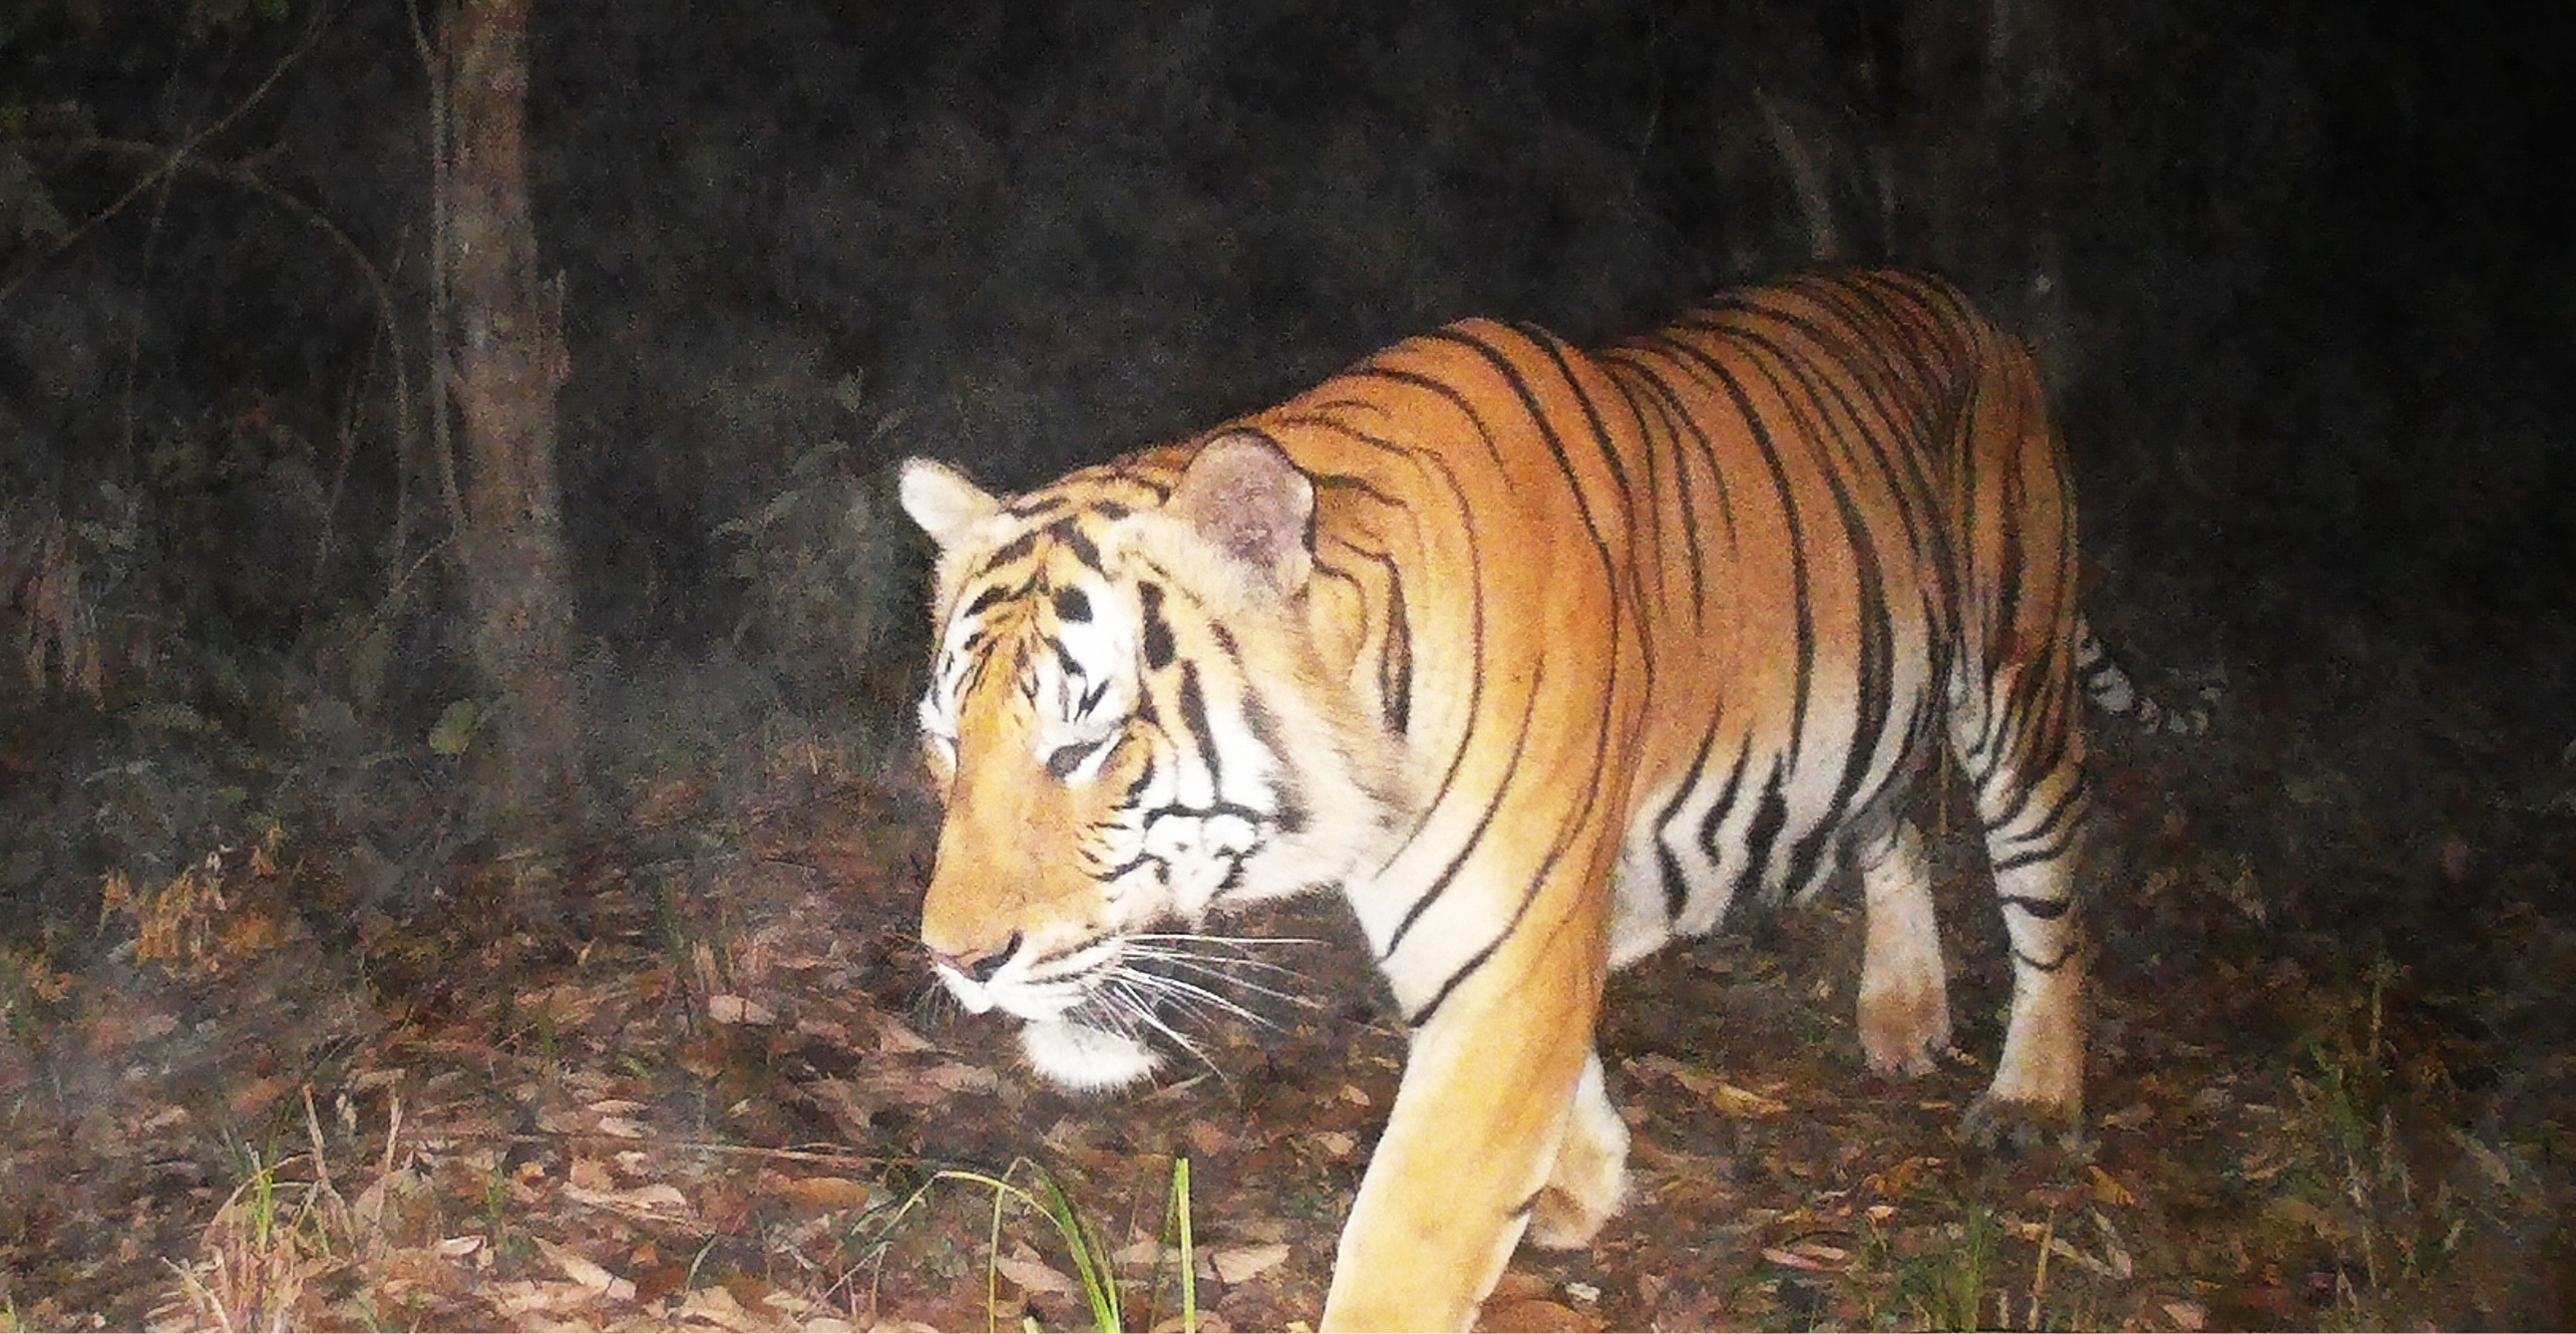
825,1194
598,1281
731,1009
1535,1316
1234,1264
1034,1275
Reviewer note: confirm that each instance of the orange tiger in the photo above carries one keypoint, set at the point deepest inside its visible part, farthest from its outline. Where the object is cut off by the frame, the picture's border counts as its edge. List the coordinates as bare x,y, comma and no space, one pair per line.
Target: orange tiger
1540,657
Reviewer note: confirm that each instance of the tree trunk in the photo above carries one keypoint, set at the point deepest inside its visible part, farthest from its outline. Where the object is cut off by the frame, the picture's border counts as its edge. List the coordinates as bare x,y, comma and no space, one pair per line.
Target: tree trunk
506,346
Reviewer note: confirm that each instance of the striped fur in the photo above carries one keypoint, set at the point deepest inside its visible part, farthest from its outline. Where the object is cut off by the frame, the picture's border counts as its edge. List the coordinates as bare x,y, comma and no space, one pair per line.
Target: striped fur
1541,657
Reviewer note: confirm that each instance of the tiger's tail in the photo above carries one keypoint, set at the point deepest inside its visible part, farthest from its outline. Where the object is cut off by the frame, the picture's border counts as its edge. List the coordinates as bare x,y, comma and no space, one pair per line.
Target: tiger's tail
2114,691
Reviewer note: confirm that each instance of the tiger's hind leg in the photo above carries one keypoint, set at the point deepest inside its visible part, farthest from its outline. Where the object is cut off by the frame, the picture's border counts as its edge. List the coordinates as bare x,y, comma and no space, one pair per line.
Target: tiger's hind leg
1591,1175
2033,829
1904,991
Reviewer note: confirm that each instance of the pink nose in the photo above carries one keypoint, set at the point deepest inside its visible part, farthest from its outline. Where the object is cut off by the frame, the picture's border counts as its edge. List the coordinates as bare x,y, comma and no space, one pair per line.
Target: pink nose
979,965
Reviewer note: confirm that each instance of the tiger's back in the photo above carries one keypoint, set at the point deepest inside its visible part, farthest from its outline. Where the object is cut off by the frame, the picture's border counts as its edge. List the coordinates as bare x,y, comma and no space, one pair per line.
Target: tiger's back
1540,656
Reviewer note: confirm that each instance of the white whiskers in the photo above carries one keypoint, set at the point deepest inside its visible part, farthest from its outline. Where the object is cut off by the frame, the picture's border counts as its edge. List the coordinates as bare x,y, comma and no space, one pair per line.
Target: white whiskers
1164,981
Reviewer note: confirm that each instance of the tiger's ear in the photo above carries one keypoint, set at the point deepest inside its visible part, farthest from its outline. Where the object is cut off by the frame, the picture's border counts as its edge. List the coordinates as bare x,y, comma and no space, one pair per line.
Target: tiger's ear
1246,499
943,502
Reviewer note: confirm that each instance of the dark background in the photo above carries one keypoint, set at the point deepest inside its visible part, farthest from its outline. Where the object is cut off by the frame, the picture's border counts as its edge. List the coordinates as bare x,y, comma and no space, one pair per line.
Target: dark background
2299,274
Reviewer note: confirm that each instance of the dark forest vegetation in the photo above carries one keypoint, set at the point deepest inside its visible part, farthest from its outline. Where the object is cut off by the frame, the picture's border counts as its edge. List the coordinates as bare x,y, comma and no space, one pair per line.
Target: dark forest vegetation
303,1022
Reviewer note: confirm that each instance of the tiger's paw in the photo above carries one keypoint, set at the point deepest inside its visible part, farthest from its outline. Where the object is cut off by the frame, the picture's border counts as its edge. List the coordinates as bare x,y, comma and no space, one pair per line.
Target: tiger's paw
2012,1126
1564,1220
1083,1058
1590,1180
1904,1029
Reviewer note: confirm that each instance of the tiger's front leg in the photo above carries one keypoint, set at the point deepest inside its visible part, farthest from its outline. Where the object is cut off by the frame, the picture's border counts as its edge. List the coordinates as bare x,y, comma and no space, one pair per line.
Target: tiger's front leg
1502,1115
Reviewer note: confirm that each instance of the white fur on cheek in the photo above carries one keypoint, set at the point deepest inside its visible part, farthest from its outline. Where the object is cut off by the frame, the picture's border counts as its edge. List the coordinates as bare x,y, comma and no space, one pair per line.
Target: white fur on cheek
1085,1059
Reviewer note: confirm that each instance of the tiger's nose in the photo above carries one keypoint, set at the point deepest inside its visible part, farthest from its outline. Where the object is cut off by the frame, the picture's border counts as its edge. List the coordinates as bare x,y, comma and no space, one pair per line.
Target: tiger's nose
978,965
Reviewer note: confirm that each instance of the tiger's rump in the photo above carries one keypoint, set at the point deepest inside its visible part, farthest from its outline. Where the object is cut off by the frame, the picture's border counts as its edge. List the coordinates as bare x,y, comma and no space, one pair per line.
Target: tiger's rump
1839,598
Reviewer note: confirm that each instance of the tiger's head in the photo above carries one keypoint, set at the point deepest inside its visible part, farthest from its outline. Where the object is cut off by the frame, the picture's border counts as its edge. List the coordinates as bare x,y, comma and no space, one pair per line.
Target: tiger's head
1130,724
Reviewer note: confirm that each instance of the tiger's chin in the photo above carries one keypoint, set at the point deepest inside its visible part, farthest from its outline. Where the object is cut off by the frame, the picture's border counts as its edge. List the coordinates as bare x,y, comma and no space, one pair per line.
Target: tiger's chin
1085,1059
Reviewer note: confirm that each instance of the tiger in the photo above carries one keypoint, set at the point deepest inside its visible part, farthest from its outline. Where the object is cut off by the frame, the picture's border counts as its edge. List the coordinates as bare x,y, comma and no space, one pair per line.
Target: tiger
1540,657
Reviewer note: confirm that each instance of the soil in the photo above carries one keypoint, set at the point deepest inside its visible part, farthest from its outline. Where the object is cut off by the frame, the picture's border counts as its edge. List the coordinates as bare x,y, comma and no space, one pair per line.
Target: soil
724,1095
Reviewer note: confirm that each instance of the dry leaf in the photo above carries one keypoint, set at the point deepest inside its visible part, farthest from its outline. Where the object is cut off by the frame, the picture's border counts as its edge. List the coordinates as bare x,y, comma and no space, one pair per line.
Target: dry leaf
894,1039
2065,1250
525,1297
1033,1275
1725,1097
2107,1188
1815,1257
657,1202
1732,1101
2189,1317
599,1282
2122,1266
730,1009
1535,1316
825,1194
258,1094
1235,1264
1208,1139
956,1077
717,1307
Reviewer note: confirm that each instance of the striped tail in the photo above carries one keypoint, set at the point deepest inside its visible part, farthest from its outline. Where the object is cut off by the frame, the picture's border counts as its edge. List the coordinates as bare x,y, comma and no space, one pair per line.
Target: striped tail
2111,689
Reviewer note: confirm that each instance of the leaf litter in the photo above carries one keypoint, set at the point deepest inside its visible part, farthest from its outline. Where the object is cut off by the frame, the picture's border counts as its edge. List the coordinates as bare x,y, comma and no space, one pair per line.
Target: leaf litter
739,1104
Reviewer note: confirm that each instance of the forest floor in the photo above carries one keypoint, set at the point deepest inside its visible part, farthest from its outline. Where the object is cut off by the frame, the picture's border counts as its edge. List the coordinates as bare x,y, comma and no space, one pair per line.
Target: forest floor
726,1096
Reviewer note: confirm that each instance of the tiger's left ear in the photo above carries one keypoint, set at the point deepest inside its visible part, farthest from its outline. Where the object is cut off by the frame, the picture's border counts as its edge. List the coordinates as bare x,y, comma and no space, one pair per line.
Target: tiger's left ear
1246,499
943,502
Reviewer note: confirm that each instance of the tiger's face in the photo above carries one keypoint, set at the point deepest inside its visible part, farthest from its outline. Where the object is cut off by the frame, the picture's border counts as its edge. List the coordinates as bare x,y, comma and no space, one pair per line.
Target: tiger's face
1109,767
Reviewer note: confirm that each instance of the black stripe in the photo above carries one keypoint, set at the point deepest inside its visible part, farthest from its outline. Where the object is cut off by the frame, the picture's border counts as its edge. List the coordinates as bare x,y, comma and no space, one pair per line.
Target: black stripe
1475,599
1158,644
1724,806
1194,722
1770,813
1395,663
1012,550
1568,832
2052,965
1534,415
1475,837
1676,887
1065,531
1287,792
2046,910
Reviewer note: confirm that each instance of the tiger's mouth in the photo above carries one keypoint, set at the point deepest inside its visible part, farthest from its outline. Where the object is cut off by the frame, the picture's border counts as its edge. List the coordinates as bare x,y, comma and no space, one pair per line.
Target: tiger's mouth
1091,1016
1084,1058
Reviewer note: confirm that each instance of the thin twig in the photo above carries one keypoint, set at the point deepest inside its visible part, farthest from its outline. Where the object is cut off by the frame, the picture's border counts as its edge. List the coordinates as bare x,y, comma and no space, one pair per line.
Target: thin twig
175,158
